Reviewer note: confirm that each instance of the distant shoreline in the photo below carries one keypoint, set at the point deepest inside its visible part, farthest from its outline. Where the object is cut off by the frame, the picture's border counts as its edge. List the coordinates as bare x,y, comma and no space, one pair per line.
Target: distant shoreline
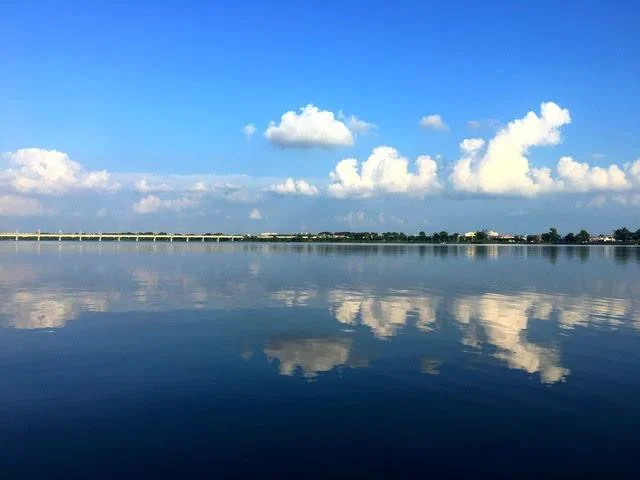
319,242
620,237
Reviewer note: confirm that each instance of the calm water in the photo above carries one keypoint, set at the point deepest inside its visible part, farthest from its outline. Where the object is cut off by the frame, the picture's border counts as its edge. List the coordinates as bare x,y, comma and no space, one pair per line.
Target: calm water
318,360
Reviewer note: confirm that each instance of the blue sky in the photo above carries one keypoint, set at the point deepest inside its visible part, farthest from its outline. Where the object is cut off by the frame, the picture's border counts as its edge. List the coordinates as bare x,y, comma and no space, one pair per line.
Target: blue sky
162,93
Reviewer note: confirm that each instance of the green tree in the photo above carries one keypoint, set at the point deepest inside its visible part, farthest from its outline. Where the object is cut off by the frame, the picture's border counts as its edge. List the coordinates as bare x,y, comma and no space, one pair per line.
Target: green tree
554,236
583,237
569,238
622,235
482,236
444,236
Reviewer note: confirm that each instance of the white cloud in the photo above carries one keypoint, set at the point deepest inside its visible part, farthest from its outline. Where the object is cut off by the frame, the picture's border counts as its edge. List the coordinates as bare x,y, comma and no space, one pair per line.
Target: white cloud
255,214
433,121
471,145
294,187
385,171
199,187
230,188
359,126
143,186
249,129
311,127
580,177
504,167
598,156
154,204
356,125
35,170
12,205
633,171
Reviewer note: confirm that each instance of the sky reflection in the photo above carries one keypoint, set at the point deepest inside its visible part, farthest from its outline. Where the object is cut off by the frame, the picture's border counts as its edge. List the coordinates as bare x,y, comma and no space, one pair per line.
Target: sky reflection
517,313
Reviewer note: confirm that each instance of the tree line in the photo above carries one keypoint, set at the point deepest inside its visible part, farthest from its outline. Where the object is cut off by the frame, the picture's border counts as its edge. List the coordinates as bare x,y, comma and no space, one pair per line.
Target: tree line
553,236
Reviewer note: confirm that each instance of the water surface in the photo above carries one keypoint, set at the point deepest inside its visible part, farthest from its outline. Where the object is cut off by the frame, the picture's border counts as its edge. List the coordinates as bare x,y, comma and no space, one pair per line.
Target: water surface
313,360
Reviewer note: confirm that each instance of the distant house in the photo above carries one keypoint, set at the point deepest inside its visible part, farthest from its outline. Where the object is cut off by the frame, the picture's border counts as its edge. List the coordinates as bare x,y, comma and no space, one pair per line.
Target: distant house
470,235
507,237
601,239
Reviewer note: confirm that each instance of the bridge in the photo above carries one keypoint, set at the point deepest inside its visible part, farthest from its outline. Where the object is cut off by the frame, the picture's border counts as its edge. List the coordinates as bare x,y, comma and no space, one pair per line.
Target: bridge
118,237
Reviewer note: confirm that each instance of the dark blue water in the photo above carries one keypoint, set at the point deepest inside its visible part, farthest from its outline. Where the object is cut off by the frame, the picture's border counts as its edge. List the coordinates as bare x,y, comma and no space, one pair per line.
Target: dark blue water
244,360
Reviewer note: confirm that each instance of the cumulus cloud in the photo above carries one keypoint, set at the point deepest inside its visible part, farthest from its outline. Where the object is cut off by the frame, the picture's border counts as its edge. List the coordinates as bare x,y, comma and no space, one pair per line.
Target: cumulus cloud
154,204
35,170
504,167
248,130
143,186
580,177
470,145
311,127
255,214
433,121
13,205
294,187
385,171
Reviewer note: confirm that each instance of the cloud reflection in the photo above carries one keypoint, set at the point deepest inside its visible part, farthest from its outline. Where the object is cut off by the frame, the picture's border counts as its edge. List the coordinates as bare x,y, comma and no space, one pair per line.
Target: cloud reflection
309,355
385,315
504,320
294,297
30,311
49,289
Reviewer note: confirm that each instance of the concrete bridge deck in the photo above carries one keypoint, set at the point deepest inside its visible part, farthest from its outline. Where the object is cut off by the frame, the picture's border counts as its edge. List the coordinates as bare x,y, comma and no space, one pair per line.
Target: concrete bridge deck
117,237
